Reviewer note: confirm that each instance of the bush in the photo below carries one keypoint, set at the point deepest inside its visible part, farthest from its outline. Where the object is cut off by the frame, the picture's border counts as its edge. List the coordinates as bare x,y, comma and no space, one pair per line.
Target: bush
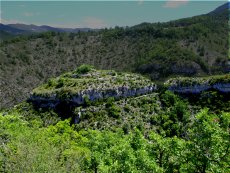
114,111
84,69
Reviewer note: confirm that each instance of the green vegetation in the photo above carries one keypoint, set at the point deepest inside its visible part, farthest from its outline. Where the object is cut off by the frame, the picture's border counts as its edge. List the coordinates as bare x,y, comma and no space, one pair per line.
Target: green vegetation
196,46
84,69
106,121
30,147
155,132
5,36
212,92
189,81
86,78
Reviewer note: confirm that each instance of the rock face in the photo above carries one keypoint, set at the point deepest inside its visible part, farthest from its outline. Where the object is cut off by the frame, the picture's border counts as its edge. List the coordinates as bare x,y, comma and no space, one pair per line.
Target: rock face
225,88
88,84
198,85
195,89
91,95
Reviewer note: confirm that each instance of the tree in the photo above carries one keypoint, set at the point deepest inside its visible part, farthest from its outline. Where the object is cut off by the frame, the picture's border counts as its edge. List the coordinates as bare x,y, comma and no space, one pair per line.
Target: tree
209,143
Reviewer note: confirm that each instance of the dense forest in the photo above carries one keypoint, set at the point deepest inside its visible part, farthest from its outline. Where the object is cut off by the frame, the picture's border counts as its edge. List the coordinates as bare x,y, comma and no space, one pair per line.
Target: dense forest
159,131
154,97
28,146
195,46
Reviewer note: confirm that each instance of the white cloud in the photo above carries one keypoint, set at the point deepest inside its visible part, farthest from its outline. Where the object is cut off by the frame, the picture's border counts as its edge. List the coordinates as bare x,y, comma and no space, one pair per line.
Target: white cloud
175,3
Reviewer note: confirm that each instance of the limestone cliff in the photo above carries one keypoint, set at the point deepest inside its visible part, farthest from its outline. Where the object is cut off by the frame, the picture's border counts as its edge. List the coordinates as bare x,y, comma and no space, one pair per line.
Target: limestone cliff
76,88
197,85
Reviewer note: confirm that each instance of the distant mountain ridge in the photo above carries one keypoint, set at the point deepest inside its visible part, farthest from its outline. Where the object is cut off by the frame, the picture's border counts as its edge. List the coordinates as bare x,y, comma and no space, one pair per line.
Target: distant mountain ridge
221,8
18,29
9,29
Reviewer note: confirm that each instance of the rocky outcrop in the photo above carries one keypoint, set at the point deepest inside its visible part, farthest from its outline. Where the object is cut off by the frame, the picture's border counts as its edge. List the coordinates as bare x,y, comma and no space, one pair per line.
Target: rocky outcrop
225,88
197,85
91,95
197,89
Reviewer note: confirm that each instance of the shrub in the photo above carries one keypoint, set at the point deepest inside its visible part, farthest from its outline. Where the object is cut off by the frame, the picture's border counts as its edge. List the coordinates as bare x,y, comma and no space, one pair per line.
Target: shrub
114,111
84,69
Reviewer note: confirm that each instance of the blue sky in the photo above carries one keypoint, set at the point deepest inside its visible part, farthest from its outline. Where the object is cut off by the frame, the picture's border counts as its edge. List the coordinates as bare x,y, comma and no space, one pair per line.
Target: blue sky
100,14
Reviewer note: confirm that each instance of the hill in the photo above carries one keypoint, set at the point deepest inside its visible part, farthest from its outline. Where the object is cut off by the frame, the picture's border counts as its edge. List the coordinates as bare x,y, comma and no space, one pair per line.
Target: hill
113,99
10,31
157,99
195,46
92,120
24,29
88,85
221,8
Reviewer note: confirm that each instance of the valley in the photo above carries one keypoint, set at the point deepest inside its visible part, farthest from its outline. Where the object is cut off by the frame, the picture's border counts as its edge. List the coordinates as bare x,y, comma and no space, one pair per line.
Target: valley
153,97
196,46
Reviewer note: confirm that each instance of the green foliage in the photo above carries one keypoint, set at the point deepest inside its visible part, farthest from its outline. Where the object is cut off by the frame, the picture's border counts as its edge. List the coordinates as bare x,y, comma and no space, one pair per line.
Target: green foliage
167,57
168,98
87,78
85,68
172,120
164,113
189,47
28,112
157,132
116,152
215,101
30,147
191,81
112,109
87,101
169,153
209,143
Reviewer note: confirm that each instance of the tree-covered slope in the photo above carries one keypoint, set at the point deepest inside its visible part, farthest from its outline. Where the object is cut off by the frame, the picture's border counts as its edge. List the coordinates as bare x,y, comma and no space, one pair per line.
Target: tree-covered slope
154,132
191,47
29,147
105,99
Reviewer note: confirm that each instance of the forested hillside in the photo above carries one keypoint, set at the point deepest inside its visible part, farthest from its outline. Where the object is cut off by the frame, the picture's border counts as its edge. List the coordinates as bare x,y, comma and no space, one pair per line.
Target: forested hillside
105,130
194,46
154,97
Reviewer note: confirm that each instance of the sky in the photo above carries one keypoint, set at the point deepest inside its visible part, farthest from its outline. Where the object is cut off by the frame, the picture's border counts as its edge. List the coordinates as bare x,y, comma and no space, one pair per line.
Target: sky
100,14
